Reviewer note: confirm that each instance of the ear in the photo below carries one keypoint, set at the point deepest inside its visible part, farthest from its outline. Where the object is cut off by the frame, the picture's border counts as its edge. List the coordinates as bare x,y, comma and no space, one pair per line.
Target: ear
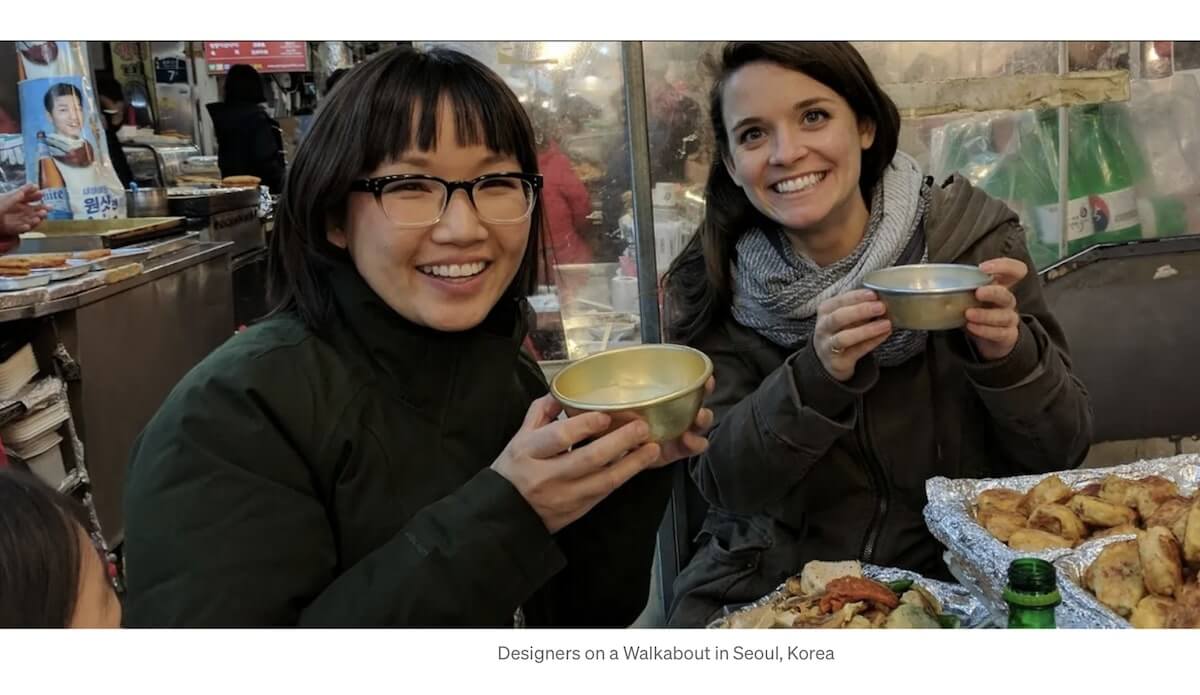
336,236
866,134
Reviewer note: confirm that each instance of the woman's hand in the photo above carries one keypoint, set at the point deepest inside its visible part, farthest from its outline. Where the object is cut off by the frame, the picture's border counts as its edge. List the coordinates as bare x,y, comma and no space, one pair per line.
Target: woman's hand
693,442
849,326
562,484
994,328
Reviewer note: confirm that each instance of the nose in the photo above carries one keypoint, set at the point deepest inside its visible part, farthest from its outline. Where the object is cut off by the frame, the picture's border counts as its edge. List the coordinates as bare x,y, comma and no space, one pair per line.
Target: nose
789,146
460,224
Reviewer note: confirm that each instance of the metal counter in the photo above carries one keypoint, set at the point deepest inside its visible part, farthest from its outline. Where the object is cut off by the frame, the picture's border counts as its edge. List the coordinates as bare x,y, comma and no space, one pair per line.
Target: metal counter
127,345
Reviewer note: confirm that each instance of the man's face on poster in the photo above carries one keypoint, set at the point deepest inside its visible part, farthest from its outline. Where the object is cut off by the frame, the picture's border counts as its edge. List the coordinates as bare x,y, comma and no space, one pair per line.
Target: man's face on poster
67,115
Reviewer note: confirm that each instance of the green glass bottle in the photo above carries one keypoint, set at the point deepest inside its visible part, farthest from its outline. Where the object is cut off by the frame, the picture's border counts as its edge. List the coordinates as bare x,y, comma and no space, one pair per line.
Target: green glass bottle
1031,594
1081,178
1111,193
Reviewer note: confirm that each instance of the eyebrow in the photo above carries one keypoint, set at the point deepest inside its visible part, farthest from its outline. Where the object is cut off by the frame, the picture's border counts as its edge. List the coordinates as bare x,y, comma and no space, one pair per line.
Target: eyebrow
798,106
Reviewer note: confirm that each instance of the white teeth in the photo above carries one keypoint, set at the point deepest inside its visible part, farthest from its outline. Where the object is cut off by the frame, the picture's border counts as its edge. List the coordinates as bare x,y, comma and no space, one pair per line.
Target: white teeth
454,271
798,184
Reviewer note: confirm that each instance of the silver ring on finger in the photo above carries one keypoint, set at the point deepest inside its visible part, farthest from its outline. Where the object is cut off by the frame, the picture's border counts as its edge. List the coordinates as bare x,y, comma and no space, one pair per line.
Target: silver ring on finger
834,347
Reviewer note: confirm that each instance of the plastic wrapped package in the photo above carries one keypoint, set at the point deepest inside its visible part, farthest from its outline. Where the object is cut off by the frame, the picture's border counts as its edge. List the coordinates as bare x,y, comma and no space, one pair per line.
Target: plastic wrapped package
1155,113
65,148
1013,157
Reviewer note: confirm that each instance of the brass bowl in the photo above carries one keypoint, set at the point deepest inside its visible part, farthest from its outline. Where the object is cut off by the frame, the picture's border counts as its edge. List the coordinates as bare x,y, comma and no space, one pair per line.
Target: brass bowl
661,384
930,296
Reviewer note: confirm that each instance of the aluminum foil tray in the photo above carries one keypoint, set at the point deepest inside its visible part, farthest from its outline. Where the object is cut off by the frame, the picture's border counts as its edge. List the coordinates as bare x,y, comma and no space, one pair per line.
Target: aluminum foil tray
956,600
980,561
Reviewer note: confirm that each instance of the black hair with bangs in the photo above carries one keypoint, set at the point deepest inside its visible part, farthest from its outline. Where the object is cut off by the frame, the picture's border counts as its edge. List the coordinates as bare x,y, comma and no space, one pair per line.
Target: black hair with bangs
379,110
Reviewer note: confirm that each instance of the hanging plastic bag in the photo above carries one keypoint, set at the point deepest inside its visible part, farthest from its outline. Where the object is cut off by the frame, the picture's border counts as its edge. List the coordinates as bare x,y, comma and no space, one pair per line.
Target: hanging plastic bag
65,150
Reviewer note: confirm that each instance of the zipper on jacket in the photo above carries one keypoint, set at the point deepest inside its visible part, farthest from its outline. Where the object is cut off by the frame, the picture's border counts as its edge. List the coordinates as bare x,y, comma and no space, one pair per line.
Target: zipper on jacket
878,481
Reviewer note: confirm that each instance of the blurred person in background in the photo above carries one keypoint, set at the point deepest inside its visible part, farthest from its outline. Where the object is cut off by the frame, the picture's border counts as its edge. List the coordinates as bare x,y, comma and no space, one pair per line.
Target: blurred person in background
249,141
114,110
565,198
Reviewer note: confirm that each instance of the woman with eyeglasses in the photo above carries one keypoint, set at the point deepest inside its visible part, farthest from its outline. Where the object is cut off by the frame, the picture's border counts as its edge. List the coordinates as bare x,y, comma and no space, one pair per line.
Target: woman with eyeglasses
378,451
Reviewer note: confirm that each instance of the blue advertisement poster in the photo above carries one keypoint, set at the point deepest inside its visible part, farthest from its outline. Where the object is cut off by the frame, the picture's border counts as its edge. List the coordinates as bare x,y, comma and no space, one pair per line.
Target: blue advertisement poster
65,151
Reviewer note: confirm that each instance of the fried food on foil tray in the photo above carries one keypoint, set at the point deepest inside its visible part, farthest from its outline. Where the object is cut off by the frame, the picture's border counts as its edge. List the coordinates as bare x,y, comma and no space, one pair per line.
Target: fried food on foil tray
1117,490
1186,612
1151,492
1032,540
1097,512
1112,506
836,595
1001,524
1116,577
1169,512
999,499
1052,490
1191,533
1161,567
1059,520
1152,612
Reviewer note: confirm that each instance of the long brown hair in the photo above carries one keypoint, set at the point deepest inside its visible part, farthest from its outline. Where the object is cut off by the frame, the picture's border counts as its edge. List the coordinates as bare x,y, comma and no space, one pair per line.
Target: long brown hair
379,110
698,285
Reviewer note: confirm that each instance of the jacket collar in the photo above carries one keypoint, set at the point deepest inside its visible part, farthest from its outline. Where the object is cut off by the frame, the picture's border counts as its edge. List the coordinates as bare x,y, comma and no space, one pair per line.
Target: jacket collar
423,365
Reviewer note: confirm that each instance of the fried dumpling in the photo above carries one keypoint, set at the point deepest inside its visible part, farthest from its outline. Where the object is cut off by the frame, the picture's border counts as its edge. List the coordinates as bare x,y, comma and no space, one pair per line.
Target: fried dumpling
1116,577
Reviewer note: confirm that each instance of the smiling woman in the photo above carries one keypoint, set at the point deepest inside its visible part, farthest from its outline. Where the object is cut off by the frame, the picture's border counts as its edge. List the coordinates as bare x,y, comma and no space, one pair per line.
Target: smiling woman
379,451
829,419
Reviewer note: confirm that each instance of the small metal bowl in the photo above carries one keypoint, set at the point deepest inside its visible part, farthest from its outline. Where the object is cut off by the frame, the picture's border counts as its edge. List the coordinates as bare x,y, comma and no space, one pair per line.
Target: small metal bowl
928,297
661,384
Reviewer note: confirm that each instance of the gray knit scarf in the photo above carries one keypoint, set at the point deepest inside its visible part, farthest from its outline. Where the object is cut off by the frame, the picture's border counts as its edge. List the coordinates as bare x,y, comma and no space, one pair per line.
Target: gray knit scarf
777,291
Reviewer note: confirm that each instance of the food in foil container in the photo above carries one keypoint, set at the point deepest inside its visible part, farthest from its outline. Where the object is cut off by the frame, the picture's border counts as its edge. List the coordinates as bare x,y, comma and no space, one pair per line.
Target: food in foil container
1053,515
851,595
986,524
1141,581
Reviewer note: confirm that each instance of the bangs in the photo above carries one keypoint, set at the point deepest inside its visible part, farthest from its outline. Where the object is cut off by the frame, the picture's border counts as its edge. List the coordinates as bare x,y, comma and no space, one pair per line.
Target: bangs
405,114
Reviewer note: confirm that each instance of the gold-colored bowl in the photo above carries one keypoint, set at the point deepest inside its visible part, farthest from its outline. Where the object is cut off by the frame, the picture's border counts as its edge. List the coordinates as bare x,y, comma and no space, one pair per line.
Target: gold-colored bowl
661,384
929,296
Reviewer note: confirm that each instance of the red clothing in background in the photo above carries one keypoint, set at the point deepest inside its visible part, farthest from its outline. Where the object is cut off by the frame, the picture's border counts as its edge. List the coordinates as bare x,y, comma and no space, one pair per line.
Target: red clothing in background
565,201
7,124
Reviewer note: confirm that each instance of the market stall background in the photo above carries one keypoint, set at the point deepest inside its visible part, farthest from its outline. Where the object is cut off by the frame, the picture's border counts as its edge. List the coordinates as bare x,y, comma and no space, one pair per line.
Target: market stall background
1101,139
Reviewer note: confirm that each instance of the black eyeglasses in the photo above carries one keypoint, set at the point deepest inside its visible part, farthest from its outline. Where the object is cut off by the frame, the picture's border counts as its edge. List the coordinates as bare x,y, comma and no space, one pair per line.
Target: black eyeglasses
420,200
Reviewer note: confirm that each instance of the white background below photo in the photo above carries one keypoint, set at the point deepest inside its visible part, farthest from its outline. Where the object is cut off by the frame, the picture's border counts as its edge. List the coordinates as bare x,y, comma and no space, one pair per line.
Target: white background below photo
465,661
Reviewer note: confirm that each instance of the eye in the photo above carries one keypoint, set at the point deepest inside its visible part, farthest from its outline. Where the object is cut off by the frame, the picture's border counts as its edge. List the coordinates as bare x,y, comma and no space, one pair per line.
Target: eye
750,134
815,117
500,185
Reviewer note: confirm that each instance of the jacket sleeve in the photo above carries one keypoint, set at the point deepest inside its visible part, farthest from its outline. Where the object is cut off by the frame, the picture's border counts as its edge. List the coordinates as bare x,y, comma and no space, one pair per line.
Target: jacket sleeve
227,526
609,553
770,432
1040,411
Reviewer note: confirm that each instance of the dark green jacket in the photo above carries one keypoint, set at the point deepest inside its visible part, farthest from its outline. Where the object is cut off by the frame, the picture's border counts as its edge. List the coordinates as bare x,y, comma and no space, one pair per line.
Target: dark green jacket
344,480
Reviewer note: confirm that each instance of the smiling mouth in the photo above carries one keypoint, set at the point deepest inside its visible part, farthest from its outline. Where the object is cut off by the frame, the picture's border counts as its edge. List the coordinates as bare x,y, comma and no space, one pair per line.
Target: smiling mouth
799,183
464,271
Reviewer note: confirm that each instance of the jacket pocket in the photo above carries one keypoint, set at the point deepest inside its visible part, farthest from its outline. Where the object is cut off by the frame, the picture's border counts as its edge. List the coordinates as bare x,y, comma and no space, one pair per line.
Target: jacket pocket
727,569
